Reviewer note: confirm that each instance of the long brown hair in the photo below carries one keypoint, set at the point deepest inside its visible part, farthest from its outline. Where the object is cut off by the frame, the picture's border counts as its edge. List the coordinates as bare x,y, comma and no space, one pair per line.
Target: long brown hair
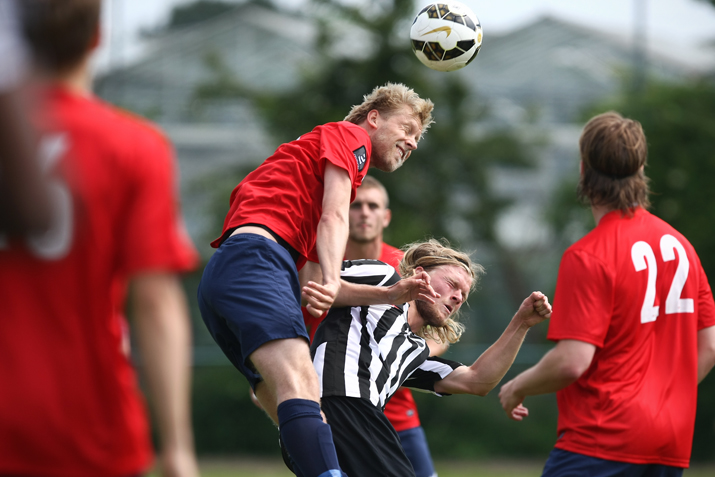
614,153
430,255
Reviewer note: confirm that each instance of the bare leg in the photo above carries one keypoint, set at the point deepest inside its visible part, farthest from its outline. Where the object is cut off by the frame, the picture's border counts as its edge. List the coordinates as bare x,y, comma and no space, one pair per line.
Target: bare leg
290,394
287,372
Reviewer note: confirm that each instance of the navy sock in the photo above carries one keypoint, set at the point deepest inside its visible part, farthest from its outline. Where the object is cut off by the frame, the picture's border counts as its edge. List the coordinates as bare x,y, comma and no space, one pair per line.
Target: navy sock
307,438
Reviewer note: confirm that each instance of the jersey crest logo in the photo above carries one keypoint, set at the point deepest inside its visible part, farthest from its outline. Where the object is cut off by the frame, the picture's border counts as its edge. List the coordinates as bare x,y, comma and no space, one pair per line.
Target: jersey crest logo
360,157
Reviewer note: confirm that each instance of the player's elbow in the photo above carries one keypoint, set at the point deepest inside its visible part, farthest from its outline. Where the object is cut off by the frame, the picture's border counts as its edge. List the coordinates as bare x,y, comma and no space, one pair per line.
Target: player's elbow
482,388
571,371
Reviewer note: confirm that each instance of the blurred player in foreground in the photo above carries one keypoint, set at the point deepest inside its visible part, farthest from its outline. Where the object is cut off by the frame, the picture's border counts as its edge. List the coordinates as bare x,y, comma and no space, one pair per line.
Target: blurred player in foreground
369,215
363,354
71,405
634,323
24,196
294,208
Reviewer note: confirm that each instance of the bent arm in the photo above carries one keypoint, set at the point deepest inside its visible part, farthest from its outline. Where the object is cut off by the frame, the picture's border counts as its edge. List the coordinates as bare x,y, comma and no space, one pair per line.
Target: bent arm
706,351
486,372
163,331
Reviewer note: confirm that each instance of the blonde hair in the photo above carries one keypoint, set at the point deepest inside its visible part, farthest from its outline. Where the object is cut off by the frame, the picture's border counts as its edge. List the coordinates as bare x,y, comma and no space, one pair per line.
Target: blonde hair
430,255
390,98
613,153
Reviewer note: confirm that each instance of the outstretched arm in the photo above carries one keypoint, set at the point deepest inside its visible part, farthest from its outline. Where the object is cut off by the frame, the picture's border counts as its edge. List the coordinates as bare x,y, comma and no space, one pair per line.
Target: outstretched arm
161,320
416,287
561,366
486,372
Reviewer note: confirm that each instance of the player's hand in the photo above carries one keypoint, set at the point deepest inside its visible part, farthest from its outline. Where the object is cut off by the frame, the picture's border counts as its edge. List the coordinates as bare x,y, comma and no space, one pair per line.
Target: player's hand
416,287
512,403
319,298
534,309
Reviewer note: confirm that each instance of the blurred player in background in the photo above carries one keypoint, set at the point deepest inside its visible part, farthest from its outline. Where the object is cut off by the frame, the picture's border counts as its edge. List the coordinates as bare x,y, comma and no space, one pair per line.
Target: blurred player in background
634,325
24,198
71,404
291,210
363,354
369,215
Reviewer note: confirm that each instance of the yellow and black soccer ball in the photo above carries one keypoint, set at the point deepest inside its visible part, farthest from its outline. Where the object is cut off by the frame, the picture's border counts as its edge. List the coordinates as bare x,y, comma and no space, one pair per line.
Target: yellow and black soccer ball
446,36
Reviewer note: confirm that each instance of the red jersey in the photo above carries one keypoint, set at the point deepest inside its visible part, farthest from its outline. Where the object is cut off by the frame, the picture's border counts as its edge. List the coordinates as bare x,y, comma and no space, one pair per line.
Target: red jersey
70,403
635,289
285,193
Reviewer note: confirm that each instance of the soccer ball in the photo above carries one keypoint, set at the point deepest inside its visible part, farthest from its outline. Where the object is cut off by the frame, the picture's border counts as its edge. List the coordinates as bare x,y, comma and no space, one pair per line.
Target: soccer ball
446,36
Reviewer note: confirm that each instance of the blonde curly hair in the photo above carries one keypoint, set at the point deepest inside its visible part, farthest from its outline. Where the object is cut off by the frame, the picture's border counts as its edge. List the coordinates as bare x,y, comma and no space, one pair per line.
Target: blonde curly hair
430,255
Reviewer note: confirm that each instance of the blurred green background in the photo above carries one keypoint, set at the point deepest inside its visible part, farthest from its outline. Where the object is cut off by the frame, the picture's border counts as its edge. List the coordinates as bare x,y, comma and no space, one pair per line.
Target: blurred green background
496,174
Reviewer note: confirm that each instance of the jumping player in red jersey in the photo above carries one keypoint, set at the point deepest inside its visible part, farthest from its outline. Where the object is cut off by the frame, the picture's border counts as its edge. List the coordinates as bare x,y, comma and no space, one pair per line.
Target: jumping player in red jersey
70,403
290,214
634,322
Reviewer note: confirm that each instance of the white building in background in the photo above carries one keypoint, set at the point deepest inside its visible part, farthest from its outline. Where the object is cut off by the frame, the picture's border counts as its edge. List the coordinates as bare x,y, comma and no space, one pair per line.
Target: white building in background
537,78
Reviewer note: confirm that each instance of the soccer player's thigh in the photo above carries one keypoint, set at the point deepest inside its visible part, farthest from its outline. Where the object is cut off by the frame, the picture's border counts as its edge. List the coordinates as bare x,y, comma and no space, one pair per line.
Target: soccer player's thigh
563,463
287,370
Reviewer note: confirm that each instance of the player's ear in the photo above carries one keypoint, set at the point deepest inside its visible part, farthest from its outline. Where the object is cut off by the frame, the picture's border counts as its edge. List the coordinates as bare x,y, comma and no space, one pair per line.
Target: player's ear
373,118
387,217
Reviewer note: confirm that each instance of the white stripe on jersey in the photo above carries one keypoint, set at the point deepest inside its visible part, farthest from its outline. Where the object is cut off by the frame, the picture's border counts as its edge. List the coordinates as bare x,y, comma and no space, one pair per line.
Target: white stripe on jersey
318,362
352,383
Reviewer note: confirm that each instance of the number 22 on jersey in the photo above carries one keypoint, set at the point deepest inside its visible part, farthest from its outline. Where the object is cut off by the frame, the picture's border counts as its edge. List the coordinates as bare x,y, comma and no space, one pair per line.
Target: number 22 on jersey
644,258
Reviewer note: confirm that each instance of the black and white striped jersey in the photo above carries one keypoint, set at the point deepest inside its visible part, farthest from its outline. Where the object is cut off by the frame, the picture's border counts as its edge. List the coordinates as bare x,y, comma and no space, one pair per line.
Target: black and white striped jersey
369,351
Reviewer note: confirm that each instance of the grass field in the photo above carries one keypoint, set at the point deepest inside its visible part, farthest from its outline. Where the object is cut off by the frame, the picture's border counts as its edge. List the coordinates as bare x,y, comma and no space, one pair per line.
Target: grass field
273,468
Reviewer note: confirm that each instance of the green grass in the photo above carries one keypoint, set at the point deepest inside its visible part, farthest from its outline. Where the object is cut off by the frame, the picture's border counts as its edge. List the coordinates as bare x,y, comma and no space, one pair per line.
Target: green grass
502,468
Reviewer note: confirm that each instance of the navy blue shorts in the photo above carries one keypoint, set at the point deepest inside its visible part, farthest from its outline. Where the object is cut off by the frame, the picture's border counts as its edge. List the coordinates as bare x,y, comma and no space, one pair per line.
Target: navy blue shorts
249,295
414,443
563,463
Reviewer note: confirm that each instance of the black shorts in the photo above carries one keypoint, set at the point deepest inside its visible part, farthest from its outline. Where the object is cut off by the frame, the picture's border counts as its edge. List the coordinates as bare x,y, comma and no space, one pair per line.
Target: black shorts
366,443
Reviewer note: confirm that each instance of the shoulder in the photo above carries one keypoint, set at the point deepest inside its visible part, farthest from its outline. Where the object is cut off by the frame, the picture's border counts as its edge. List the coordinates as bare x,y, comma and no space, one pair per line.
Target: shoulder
391,255
343,130
369,272
137,125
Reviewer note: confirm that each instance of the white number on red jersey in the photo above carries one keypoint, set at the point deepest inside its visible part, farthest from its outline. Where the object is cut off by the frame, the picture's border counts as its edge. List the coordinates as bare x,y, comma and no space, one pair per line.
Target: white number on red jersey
644,258
55,243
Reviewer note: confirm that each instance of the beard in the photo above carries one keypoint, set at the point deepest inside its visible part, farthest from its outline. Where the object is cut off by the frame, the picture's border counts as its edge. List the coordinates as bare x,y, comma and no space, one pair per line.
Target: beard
381,163
429,313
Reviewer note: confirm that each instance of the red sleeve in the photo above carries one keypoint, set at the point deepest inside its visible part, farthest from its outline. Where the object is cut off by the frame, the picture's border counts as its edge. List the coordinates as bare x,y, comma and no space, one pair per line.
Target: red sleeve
153,236
582,307
347,146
